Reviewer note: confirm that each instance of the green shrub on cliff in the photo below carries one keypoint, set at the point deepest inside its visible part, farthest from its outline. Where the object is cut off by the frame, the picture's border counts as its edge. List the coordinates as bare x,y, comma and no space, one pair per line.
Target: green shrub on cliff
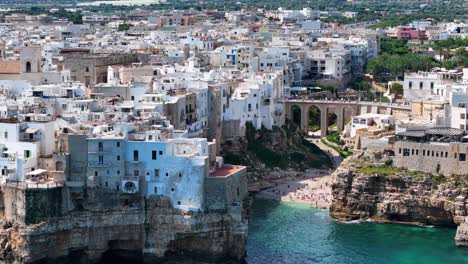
284,148
379,170
334,137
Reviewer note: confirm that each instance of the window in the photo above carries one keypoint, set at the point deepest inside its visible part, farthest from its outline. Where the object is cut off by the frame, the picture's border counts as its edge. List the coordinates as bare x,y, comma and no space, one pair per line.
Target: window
27,153
156,172
155,190
462,157
118,144
160,152
153,155
118,157
432,85
101,146
136,173
101,159
410,85
107,184
178,202
462,127
172,189
5,135
424,152
95,173
87,69
462,116
406,152
421,85
118,172
135,155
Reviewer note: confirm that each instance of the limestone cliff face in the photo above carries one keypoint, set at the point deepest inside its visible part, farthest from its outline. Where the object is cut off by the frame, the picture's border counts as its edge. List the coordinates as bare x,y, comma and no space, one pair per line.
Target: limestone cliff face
280,153
142,231
368,187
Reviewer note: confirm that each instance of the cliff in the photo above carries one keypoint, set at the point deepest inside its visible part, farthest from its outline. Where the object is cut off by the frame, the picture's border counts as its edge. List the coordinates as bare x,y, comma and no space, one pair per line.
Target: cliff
138,230
367,186
280,153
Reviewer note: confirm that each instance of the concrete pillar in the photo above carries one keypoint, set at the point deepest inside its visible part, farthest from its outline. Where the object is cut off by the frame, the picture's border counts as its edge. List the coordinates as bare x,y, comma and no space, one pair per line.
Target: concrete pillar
304,118
323,121
340,119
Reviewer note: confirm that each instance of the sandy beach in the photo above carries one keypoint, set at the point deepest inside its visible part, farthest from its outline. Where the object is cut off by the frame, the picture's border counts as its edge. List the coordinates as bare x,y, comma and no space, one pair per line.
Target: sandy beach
314,189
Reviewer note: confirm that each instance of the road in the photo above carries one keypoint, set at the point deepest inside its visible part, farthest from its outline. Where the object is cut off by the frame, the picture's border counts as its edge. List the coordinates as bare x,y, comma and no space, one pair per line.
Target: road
314,137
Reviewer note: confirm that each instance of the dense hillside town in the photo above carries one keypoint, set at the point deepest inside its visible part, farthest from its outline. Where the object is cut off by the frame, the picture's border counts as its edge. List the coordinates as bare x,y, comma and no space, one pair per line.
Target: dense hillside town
118,121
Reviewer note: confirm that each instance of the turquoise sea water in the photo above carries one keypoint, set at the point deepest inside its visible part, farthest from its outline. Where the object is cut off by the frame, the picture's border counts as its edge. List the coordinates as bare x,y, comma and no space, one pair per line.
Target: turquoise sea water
295,233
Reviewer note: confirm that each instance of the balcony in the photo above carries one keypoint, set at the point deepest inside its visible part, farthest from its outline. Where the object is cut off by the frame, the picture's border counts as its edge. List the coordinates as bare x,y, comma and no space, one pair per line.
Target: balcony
131,178
92,164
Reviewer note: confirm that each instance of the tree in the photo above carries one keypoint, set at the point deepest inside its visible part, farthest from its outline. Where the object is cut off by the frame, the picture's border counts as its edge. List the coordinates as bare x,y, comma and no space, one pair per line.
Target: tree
396,89
123,27
393,67
394,46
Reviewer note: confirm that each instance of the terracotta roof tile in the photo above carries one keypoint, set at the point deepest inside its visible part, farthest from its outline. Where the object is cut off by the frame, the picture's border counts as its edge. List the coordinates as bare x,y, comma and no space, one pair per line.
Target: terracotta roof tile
9,67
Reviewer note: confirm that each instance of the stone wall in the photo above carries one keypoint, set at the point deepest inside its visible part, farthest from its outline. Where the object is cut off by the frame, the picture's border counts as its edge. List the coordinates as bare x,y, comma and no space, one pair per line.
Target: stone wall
436,158
222,191
231,129
33,205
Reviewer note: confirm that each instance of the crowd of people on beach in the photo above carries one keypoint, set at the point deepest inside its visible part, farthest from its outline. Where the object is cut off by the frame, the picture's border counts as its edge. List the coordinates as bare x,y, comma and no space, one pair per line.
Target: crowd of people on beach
315,191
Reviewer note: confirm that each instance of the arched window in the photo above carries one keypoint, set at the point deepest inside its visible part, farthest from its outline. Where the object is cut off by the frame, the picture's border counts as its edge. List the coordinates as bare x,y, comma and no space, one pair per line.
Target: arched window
87,69
28,66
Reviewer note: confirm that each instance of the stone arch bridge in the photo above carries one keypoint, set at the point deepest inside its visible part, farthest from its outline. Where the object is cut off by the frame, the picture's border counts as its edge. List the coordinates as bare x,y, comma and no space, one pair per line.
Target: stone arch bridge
342,110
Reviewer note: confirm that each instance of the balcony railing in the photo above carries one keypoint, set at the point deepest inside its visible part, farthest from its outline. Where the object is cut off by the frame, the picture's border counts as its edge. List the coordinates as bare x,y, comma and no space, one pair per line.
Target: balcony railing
99,164
131,178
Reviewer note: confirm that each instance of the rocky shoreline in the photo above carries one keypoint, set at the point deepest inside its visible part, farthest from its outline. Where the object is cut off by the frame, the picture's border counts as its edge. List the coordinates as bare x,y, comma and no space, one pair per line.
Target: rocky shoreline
140,232
368,187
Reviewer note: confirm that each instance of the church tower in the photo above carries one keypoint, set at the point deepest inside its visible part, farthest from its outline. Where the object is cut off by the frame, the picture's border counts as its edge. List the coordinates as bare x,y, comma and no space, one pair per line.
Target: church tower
30,59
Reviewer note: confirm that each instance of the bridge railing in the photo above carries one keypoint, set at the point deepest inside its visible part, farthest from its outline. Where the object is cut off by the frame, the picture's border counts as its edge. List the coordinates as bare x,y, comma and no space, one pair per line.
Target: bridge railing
406,105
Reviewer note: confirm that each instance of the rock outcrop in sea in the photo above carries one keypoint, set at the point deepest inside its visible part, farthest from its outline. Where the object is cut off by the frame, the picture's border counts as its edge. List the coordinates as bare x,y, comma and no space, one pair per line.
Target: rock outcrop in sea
367,186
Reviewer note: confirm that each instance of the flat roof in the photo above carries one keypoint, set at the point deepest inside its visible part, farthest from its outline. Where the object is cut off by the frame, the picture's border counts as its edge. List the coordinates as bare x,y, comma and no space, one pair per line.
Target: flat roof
226,171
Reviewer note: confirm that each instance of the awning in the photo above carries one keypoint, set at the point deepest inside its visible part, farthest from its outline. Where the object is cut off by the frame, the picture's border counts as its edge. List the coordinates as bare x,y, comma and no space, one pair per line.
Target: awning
31,130
36,172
